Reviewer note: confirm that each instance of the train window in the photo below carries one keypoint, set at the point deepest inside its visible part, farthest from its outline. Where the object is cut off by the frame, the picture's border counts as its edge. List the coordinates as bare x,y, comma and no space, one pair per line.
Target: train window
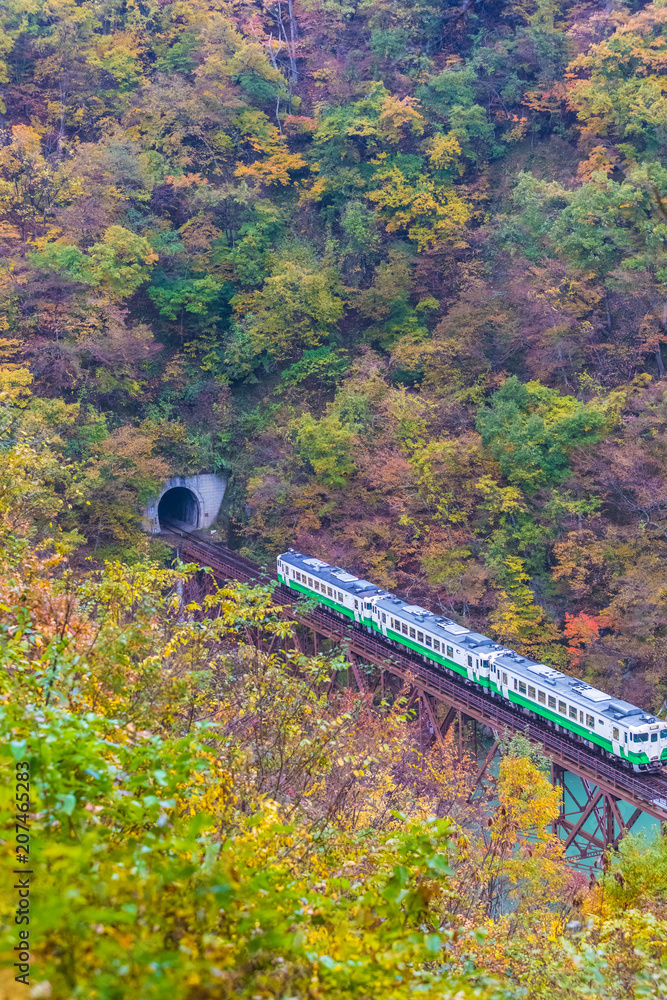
522,687
428,640
384,618
616,734
356,603
663,734
368,606
298,576
552,701
485,664
590,721
470,661
515,683
420,636
329,591
412,633
436,644
450,650
581,716
573,713
541,697
654,737
504,678
340,596
531,691
641,737
310,581
404,627
317,585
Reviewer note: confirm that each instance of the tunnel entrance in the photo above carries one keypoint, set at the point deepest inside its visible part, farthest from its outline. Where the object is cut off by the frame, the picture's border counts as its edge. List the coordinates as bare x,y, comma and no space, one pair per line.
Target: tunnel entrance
179,504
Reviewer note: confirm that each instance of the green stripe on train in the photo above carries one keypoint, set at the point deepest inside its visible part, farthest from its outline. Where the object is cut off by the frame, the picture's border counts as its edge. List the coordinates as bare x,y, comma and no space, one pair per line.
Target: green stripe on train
320,598
574,727
432,655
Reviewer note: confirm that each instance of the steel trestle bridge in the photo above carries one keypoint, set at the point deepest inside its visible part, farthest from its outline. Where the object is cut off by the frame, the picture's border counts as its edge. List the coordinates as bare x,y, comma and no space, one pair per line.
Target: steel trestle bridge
594,821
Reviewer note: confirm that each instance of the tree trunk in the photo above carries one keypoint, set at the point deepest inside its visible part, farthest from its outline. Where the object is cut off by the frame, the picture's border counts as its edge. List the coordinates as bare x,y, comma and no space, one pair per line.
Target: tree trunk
293,37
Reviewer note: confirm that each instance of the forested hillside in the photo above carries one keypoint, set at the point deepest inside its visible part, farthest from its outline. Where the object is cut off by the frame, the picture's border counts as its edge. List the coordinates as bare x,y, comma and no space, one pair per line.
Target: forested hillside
399,269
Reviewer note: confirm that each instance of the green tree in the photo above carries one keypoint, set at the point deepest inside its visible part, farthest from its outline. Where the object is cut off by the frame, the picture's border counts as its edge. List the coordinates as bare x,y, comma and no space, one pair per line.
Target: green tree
530,430
327,444
118,265
619,95
296,307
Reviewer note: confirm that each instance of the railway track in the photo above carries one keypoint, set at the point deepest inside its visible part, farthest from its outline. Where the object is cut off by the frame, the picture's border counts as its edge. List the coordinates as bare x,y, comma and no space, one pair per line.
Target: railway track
646,792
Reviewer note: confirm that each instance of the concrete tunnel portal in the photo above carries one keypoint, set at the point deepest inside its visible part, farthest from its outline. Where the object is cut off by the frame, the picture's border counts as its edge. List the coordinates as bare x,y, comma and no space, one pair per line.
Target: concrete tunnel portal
193,500
179,504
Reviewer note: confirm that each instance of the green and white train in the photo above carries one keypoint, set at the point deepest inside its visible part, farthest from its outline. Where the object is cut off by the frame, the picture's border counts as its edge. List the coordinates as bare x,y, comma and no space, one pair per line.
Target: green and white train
613,727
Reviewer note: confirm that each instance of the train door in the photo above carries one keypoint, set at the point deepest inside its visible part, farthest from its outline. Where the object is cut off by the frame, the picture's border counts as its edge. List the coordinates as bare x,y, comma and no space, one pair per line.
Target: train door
358,609
616,742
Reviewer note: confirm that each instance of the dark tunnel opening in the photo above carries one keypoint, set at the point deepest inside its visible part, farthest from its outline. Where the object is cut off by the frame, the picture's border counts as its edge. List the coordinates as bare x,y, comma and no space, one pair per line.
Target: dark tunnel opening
179,504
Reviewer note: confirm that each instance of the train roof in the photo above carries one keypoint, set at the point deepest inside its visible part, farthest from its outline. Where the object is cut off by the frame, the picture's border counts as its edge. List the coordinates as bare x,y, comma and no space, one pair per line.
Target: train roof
337,577
437,624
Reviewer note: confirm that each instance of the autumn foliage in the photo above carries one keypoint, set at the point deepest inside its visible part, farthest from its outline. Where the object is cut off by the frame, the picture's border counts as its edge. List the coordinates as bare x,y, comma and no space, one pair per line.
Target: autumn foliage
398,271
230,819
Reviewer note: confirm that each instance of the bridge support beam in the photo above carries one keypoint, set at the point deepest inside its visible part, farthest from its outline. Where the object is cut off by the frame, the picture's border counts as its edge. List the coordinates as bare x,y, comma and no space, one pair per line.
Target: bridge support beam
435,727
590,820
355,663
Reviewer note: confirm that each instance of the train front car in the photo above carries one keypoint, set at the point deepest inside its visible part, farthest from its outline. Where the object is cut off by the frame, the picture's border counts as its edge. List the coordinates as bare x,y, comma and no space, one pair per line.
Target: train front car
612,726
647,741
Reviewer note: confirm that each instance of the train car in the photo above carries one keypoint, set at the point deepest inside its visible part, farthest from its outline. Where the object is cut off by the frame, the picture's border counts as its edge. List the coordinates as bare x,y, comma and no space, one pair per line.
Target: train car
331,586
613,727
